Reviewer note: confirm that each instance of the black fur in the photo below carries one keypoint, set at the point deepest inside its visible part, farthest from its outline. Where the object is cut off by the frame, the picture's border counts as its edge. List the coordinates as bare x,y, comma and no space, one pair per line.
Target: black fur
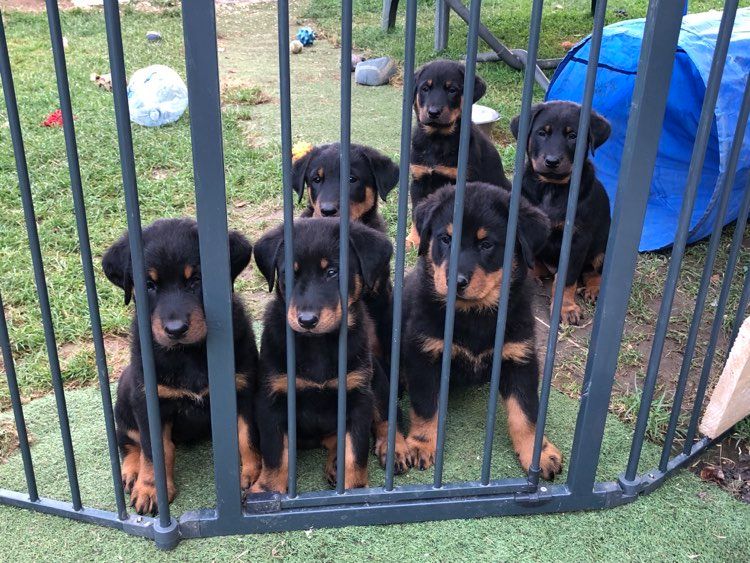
312,314
175,302
438,88
546,183
479,277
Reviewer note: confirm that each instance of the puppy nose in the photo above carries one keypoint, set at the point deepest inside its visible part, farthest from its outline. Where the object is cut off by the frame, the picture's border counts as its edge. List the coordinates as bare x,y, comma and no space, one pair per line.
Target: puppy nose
551,161
328,209
433,111
462,282
175,329
306,319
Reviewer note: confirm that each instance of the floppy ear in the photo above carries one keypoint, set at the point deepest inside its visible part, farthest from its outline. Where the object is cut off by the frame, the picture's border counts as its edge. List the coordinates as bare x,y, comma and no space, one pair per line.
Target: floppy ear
423,214
267,252
514,123
480,87
240,251
373,251
383,169
117,266
533,231
599,131
417,78
299,170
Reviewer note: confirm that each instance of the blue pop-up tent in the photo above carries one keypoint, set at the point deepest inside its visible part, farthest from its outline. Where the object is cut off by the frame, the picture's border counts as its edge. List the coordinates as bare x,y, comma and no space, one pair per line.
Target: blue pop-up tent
615,80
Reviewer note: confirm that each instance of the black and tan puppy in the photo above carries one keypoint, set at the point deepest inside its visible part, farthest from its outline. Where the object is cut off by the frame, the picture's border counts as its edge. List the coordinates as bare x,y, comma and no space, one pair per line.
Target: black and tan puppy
372,175
178,327
315,315
546,182
438,99
480,274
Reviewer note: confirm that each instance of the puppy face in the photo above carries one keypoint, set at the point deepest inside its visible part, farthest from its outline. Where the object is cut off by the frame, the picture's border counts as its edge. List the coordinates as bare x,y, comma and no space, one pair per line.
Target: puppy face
553,137
480,262
315,306
371,174
438,95
173,277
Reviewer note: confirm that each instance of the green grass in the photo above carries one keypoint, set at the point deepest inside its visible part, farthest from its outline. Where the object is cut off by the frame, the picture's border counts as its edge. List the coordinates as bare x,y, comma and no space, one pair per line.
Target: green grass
683,519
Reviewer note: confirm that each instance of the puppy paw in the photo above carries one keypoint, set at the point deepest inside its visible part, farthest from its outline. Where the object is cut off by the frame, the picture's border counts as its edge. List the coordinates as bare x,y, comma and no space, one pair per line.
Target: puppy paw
551,461
421,452
590,293
249,476
401,454
129,478
571,313
143,497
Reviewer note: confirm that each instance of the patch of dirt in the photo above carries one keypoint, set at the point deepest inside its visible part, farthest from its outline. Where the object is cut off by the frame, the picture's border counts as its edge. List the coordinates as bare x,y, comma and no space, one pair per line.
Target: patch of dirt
30,5
728,466
162,173
9,439
117,348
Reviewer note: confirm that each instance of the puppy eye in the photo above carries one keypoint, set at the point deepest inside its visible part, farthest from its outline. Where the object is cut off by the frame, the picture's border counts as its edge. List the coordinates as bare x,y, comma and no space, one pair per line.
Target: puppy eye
150,285
572,136
452,91
425,88
331,273
194,283
445,239
541,133
486,245
317,180
353,179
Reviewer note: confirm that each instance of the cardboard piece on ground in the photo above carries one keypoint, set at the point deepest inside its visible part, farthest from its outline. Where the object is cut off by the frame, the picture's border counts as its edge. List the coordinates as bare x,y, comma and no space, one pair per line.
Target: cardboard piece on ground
730,401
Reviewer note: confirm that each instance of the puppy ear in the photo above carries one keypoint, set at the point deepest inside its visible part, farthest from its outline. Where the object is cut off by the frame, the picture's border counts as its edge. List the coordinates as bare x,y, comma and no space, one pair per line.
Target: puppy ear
383,169
423,214
299,171
240,251
117,266
480,87
373,251
599,131
515,122
533,231
267,253
417,78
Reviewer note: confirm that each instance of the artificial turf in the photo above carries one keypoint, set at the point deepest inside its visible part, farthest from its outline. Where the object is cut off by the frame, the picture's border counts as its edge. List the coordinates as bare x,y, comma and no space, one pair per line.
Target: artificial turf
683,520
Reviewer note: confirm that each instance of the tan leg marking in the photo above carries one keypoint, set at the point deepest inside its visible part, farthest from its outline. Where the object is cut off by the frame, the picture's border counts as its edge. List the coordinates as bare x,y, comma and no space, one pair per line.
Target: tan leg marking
355,476
570,312
249,456
522,432
422,441
143,494
131,463
274,479
592,282
401,452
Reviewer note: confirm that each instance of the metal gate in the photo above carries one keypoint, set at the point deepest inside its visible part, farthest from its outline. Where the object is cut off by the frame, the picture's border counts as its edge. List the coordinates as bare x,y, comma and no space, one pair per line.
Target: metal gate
387,503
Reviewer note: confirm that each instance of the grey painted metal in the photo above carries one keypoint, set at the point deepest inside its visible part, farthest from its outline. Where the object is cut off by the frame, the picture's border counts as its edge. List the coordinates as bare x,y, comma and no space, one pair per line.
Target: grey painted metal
15,401
202,64
76,186
165,531
403,211
660,35
510,238
388,14
286,171
458,213
581,151
442,25
24,184
346,123
732,260
678,248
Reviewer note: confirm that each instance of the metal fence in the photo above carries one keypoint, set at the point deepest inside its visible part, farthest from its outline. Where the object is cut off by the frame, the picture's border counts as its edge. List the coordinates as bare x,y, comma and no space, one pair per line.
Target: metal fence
387,503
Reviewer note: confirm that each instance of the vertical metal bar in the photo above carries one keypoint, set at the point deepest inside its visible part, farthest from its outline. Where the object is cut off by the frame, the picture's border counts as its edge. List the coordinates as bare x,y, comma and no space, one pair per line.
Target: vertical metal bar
744,299
15,401
579,159
202,65
660,35
510,237
286,171
718,321
403,202
38,265
678,249
79,207
458,213
166,525
442,23
346,109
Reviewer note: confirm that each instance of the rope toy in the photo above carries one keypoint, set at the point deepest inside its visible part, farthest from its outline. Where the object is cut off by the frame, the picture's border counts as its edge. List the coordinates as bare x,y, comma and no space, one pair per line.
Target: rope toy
306,36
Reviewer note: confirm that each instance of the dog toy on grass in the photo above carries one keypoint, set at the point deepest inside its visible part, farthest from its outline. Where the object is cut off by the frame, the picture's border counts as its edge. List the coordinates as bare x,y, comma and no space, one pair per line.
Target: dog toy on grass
300,149
55,119
295,46
306,36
